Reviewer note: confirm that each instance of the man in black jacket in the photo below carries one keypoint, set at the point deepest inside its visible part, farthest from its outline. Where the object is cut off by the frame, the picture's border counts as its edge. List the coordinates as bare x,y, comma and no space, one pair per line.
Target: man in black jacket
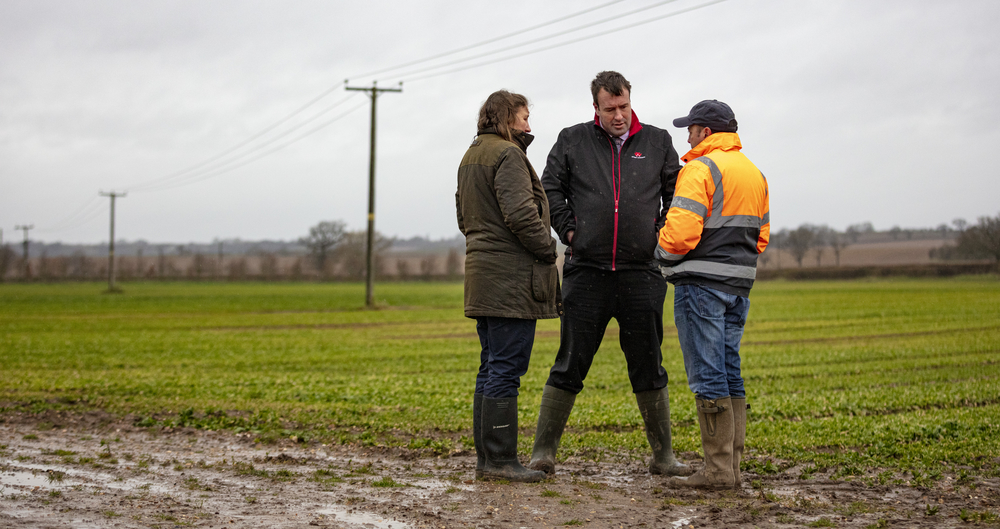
609,184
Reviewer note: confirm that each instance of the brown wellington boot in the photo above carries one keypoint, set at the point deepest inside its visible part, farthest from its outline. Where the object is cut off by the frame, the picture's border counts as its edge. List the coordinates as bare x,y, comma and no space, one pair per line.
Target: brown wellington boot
655,409
716,420
740,408
552,417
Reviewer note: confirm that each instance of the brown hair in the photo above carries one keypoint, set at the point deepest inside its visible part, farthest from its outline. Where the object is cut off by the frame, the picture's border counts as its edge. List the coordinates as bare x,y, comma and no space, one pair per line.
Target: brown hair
613,82
499,112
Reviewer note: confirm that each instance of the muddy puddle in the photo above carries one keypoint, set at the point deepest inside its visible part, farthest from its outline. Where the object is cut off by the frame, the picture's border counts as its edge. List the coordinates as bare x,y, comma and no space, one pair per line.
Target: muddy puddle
111,474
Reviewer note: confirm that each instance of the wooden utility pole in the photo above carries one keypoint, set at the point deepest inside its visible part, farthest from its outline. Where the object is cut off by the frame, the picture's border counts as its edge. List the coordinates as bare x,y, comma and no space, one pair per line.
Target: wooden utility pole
218,264
373,93
24,247
111,242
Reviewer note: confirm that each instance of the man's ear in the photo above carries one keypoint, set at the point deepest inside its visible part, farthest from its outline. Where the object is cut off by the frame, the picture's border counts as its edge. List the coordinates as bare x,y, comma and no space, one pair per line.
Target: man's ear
595,107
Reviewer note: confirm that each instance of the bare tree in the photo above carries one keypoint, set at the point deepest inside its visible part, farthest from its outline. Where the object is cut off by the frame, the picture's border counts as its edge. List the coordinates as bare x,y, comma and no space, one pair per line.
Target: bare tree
321,239
453,263
403,268
778,241
821,239
236,269
7,257
960,224
268,266
351,252
799,241
427,265
765,257
838,241
856,230
982,239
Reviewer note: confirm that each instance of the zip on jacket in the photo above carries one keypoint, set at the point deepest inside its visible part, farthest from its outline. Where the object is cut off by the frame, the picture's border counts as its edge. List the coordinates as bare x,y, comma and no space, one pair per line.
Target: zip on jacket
615,222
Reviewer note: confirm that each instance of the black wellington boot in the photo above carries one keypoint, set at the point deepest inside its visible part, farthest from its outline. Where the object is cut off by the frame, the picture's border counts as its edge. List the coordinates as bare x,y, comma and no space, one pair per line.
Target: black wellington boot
500,442
477,433
552,417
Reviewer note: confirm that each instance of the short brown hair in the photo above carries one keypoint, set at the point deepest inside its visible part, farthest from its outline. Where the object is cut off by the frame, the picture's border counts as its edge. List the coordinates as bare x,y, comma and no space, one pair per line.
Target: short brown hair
613,82
499,112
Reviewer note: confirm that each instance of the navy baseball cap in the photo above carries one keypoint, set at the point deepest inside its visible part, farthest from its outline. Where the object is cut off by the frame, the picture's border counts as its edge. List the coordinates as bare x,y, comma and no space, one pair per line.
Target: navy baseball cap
710,113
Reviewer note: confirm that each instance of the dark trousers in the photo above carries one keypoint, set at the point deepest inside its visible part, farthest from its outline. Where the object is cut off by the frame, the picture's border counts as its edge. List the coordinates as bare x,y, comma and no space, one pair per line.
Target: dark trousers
591,297
504,359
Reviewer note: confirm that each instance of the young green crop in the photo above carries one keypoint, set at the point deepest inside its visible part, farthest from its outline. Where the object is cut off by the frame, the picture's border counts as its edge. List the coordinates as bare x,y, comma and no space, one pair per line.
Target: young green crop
853,375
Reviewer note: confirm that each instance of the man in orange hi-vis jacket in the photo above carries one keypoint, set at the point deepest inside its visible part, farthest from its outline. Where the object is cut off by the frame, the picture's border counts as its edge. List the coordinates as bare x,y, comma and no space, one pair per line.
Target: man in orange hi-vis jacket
717,225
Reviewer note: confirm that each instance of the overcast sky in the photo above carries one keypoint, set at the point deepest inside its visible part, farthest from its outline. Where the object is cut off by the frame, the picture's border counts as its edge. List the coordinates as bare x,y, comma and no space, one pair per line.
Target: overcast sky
855,110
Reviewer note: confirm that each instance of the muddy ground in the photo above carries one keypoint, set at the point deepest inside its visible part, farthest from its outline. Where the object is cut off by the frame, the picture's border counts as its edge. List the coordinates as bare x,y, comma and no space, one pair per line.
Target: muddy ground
61,470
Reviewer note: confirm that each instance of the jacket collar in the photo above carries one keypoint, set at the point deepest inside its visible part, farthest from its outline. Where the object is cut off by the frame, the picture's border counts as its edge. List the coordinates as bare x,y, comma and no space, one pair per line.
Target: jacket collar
635,127
521,139
726,141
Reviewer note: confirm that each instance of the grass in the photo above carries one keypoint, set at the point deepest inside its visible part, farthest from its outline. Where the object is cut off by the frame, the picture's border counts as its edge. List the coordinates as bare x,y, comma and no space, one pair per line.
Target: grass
848,377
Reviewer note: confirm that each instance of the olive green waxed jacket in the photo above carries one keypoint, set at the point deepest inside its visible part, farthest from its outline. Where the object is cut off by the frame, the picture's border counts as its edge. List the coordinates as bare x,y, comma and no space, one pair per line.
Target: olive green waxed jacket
510,255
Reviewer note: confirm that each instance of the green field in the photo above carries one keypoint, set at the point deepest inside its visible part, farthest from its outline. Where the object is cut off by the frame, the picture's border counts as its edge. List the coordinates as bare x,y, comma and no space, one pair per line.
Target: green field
857,376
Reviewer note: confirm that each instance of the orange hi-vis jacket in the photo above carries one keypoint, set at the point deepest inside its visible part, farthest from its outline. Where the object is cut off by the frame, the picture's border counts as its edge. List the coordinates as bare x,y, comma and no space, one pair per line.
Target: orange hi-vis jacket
719,221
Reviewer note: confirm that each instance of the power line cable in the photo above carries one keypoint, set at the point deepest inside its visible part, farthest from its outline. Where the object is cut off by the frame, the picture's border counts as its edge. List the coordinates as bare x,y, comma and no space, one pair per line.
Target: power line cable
325,93
543,38
222,170
89,217
565,43
221,163
184,176
488,41
75,213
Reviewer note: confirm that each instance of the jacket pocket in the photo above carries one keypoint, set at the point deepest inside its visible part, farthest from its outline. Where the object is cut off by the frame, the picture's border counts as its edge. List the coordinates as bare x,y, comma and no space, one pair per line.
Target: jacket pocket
543,281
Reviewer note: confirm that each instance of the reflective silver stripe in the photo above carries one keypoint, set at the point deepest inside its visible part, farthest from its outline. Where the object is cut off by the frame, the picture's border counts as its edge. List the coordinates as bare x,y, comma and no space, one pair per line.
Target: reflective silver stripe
713,220
738,221
709,267
691,205
716,219
664,255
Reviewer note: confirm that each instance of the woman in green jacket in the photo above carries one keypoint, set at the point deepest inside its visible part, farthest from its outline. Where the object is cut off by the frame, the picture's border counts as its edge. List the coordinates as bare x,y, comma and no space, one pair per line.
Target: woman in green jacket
510,274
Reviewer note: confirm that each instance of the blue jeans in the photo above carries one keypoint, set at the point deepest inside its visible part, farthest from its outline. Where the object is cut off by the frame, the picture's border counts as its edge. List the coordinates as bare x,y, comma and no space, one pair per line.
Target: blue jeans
506,351
710,325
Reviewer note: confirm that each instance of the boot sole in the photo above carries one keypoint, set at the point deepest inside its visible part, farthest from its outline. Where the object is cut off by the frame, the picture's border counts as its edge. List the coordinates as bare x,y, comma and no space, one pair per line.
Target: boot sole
512,479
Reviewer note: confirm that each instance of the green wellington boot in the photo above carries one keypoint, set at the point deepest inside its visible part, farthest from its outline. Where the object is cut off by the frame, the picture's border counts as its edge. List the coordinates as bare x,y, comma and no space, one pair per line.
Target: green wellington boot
477,433
716,420
500,443
552,417
655,409
740,408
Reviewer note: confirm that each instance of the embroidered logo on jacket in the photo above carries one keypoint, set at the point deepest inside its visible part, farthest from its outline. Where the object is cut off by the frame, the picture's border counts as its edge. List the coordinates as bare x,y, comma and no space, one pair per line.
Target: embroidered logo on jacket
638,155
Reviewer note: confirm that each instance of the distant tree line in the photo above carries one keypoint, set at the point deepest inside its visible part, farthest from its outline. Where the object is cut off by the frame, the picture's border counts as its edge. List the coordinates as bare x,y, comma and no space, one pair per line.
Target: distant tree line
979,241
971,242
334,254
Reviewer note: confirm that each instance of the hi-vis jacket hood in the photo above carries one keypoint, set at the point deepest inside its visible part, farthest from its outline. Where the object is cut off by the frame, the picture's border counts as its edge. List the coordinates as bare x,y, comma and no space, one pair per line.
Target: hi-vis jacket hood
719,219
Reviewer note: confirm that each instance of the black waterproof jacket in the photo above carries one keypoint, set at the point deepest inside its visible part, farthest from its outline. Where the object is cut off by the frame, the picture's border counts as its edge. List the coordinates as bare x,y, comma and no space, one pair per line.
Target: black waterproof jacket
615,203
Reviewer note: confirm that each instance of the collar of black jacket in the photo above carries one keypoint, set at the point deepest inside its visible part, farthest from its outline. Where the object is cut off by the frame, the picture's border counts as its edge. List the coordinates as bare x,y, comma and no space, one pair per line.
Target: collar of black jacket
521,139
